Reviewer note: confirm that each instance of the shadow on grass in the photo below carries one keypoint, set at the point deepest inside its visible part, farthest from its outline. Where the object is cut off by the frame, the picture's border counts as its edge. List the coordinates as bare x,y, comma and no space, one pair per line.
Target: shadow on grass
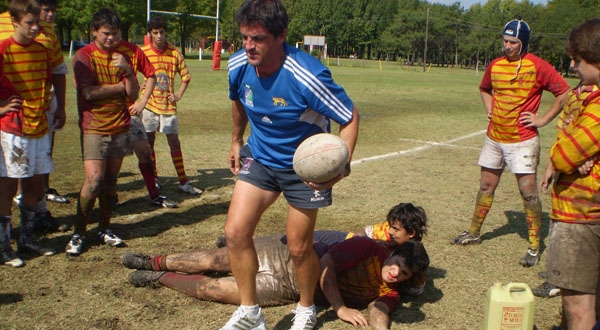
410,309
10,298
147,225
517,224
207,179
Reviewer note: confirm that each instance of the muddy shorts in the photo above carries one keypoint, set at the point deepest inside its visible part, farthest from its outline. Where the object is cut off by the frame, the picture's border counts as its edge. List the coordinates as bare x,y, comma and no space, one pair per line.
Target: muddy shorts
275,281
24,157
137,129
521,158
98,147
572,260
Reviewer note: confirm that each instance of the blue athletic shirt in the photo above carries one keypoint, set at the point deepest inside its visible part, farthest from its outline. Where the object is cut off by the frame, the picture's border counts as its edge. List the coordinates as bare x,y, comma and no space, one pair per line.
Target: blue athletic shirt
284,109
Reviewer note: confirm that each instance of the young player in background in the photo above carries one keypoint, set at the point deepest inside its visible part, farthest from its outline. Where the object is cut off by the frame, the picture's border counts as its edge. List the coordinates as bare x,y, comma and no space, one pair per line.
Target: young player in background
161,110
511,92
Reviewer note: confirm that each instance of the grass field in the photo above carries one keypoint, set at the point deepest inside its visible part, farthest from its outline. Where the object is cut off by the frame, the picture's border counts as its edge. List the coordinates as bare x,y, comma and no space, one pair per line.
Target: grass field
419,141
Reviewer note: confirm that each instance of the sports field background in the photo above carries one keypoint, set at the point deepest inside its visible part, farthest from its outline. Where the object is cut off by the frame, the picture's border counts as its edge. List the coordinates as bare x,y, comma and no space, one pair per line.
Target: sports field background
419,141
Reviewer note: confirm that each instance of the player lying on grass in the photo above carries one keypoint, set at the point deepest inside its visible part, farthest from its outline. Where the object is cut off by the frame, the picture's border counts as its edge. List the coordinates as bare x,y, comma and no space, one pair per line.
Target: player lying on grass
404,222
356,273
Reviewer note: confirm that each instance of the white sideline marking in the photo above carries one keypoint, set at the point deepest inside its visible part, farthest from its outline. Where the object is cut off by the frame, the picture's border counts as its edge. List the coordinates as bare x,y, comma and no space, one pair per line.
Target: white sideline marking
416,149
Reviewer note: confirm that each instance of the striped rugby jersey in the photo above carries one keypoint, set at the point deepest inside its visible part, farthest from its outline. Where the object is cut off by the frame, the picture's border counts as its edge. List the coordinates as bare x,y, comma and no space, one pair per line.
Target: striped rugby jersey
576,197
93,66
167,63
27,67
358,264
515,93
47,37
572,108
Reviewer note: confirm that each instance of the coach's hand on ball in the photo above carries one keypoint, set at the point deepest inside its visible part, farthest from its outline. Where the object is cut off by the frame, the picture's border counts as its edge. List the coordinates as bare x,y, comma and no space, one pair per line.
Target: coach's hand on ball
332,182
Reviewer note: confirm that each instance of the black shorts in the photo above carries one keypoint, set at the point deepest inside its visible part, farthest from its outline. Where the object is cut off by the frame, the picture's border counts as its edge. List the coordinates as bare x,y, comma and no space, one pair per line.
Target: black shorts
296,192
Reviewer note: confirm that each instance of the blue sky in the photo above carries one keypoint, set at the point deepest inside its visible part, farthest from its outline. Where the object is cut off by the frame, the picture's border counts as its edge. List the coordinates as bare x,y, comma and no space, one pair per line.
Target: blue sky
467,3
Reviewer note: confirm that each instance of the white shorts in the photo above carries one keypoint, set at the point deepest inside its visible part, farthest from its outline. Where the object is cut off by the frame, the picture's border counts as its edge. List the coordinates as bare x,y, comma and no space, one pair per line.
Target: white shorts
521,158
167,124
23,157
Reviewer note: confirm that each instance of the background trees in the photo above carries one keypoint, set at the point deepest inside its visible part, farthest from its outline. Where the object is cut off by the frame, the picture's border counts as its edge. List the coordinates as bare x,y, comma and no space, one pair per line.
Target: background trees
372,29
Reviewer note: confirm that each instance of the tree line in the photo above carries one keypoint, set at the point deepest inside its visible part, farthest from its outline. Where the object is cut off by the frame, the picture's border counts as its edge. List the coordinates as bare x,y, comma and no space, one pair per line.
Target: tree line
394,30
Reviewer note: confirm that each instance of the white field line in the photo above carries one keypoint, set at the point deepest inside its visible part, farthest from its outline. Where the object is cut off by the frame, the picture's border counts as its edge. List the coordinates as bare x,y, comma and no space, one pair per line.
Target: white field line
426,146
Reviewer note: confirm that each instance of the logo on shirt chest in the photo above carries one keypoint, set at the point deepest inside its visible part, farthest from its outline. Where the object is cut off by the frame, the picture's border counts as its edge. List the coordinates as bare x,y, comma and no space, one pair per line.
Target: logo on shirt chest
248,95
279,102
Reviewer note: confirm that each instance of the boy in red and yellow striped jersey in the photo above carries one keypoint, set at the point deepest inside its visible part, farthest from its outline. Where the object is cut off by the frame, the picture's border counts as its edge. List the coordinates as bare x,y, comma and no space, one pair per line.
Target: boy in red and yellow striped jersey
573,262
106,82
56,115
25,136
511,92
161,110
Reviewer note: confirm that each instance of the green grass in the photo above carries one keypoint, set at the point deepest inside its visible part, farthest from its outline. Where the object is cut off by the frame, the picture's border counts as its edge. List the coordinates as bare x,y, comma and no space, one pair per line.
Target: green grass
419,116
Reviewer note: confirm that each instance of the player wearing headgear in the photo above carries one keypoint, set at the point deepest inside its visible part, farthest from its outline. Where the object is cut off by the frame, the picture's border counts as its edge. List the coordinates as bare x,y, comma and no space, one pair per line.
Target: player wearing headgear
511,92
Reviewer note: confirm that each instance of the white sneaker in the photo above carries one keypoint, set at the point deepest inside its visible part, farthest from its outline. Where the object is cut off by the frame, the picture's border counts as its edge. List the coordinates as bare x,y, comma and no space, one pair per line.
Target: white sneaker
242,321
304,320
75,245
8,257
109,238
188,188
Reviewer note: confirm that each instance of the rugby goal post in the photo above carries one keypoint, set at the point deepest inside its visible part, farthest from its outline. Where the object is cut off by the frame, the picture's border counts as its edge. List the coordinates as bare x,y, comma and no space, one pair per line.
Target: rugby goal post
216,63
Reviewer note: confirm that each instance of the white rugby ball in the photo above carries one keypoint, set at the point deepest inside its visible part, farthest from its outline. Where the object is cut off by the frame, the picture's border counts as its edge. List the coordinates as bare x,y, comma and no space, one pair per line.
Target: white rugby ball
321,157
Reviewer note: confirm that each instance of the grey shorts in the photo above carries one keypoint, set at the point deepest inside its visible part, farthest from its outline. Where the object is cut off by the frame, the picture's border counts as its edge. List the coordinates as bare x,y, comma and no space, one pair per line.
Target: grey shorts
521,158
275,281
99,147
296,192
572,260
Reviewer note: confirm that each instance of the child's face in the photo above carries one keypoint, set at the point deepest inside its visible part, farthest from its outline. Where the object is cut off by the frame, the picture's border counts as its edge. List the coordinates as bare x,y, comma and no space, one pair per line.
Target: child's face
395,270
27,28
158,37
588,73
47,13
398,234
107,37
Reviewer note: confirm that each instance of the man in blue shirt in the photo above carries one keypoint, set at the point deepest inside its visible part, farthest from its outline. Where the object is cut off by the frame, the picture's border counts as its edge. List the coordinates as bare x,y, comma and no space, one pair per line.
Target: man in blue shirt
285,95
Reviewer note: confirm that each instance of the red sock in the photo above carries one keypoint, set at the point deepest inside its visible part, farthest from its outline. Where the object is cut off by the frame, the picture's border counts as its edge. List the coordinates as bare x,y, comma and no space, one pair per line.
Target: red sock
148,174
159,262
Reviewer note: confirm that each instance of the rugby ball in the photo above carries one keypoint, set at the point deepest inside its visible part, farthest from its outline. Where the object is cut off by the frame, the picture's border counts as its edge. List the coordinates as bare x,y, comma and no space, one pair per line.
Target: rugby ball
320,157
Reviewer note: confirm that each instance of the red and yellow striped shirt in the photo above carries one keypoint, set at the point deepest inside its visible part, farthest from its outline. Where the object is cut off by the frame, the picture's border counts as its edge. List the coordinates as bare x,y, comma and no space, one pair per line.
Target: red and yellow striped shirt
358,266
27,67
47,37
515,93
378,231
572,108
167,63
576,197
92,67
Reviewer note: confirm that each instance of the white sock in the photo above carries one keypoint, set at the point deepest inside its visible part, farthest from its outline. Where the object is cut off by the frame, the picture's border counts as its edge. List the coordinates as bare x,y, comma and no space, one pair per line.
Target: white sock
250,309
301,308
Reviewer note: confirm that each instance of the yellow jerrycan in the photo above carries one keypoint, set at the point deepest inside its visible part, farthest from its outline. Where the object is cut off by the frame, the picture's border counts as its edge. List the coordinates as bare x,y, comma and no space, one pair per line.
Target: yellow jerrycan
509,307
